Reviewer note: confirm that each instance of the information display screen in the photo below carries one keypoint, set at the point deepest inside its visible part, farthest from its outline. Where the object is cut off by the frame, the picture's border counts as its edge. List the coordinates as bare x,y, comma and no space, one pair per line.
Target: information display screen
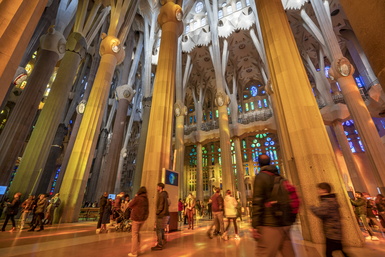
171,178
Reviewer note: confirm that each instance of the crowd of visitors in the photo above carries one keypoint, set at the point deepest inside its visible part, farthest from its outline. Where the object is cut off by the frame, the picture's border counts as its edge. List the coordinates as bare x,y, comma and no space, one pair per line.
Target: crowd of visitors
266,223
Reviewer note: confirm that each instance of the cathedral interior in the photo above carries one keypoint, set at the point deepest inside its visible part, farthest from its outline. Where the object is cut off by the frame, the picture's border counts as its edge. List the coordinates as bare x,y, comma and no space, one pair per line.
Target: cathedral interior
102,95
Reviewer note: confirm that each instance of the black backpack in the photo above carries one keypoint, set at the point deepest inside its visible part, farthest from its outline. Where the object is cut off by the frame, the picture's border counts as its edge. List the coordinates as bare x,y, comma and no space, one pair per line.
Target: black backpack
284,201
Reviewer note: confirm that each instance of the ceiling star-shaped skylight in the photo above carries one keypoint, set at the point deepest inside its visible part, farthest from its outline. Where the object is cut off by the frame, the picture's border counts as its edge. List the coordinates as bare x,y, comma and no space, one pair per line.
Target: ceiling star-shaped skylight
293,4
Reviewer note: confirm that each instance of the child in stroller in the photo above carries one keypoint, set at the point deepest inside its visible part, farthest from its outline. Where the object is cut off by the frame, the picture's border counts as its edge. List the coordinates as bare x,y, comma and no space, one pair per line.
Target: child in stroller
123,220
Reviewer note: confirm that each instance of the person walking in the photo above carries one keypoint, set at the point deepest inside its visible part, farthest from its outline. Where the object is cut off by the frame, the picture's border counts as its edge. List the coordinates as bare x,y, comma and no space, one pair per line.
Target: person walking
26,208
217,209
102,205
139,214
272,237
12,210
180,209
162,214
231,214
328,211
190,208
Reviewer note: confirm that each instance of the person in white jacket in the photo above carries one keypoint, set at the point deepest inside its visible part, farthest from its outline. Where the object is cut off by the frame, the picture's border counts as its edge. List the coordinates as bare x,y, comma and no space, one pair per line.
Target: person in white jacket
231,214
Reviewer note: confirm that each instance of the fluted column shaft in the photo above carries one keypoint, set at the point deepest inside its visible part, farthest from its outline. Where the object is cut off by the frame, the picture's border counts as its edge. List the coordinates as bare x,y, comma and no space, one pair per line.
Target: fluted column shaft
368,23
158,144
78,168
224,134
38,147
179,147
199,174
240,171
117,139
308,155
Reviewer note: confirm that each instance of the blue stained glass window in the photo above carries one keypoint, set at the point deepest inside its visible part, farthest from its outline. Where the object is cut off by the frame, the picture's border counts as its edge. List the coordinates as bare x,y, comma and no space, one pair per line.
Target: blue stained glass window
352,147
361,145
204,116
252,105
359,82
265,102
272,143
228,111
266,143
191,119
211,115
240,108
268,139
253,91
259,104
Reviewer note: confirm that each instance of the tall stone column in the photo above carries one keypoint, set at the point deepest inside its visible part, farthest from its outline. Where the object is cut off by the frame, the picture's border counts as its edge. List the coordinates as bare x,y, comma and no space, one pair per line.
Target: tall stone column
20,121
222,101
76,174
38,147
125,94
158,146
351,164
180,110
240,171
18,21
199,174
307,153
342,71
368,23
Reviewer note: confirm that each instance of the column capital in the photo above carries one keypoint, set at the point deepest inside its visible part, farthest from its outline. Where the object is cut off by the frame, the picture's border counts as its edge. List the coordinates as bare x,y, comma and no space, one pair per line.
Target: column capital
112,45
53,41
340,68
171,12
77,43
221,98
125,92
179,109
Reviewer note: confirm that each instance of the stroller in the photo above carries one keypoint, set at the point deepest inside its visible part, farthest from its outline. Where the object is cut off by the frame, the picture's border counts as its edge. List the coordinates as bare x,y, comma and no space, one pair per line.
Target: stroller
123,220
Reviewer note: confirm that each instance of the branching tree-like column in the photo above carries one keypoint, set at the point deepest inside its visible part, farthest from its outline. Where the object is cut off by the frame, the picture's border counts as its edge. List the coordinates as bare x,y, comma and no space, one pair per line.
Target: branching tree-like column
368,22
38,147
78,167
307,152
157,154
342,71
19,19
221,99
20,121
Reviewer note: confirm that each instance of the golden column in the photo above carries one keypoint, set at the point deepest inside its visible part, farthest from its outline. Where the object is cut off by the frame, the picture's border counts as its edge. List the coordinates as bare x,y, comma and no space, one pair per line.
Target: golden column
18,21
158,147
307,152
368,22
75,177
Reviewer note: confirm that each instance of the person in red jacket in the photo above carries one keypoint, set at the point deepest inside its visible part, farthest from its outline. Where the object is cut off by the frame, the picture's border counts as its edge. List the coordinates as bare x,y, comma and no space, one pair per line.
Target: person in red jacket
139,214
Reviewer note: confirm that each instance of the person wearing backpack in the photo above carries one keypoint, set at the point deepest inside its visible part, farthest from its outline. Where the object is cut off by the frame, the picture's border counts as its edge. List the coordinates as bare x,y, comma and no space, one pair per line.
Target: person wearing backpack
269,231
328,211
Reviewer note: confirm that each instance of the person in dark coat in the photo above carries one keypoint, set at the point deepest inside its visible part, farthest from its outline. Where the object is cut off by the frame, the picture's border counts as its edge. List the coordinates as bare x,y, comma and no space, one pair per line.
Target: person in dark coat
265,225
328,211
139,214
162,214
102,205
12,209
106,216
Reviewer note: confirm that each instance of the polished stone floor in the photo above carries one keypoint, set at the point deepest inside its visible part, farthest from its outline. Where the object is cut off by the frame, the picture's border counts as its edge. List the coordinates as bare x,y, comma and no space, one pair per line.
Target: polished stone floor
80,240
